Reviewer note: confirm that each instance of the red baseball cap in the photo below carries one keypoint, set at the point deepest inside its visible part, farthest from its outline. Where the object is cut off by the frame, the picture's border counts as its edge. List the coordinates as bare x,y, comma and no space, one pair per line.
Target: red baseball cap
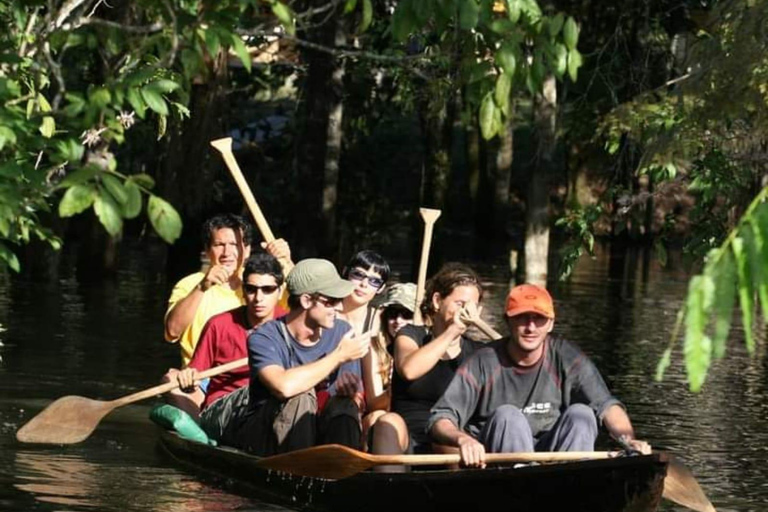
529,298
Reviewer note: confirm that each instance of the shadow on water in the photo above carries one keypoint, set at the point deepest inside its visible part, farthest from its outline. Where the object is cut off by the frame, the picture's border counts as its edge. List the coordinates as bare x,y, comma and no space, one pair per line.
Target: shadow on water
104,341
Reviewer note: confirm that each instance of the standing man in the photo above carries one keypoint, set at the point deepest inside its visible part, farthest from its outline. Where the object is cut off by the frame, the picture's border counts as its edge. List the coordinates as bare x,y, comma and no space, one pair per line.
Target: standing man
528,392
223,340
294,357
199,296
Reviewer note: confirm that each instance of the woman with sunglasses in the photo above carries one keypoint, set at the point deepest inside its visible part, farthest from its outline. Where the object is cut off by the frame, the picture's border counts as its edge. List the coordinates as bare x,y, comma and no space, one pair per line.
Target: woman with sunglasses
396,311
425,360
369,272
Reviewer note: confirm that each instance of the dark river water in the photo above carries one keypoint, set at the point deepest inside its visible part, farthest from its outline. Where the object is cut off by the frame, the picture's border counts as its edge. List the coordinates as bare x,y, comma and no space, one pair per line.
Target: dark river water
105,341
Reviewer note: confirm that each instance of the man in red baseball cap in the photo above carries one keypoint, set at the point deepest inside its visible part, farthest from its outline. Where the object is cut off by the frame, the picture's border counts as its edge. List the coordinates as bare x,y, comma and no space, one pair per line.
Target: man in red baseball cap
528,392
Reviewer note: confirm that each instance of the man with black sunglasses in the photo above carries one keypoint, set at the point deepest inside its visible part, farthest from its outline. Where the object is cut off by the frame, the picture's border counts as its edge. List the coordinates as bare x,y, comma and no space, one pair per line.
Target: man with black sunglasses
293,357
223,339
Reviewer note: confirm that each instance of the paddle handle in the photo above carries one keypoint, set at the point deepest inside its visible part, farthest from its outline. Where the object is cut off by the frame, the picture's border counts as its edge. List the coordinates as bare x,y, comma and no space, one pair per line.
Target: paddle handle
486,329
491,458
430,217
164,388
224,146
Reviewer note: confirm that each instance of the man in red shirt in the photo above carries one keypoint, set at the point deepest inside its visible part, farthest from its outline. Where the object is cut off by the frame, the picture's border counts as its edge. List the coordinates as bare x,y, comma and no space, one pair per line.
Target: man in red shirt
222,340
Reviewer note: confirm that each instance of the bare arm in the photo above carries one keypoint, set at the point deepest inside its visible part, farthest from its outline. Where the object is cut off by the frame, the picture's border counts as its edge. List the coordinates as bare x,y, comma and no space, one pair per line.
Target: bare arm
285,384
183,312
471,450
376,397
412,361
617,422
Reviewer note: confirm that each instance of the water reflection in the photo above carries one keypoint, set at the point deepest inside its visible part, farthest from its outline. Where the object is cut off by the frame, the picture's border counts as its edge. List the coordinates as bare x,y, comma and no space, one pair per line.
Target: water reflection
104,342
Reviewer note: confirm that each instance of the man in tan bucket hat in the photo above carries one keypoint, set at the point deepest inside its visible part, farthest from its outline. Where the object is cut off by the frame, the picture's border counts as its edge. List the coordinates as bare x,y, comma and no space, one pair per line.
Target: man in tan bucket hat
298,356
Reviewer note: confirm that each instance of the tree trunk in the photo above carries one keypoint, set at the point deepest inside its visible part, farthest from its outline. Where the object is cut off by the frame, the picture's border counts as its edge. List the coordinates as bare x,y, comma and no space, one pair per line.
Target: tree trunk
537,214
501,180
318,148
437,127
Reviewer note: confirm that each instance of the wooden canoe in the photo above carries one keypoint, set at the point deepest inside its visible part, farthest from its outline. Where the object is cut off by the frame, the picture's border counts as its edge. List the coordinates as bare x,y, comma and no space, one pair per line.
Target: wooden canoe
623,484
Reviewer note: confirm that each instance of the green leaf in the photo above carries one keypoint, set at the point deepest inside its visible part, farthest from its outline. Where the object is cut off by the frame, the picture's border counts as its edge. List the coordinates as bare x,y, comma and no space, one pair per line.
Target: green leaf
48,127
758,256
724,275
502,26
165,86
42,102
556,24
698,346
284,14
9,257
138,104
7,136
501,93
487,113
746,293
469,12
666,358
365,21
162,126
108,213
132,206
571,33
242,52
79,176
154,100
115,187
514,10
349,6
505,58
77,198
560,60
403,22
212,42
143,180
99,97
575,61
164,219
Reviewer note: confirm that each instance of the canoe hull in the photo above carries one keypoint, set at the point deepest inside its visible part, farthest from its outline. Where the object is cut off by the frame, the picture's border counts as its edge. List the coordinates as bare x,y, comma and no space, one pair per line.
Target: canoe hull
626,484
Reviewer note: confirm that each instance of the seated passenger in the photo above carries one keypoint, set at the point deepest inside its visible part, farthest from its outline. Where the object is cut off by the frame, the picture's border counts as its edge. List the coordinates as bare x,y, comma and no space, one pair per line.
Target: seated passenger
294,357
530,391
201,295
395,311
369,272
223,340
426,359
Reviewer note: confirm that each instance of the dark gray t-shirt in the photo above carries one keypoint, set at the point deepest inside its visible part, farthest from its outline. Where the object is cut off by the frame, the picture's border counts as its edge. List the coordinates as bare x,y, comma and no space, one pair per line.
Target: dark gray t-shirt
489,379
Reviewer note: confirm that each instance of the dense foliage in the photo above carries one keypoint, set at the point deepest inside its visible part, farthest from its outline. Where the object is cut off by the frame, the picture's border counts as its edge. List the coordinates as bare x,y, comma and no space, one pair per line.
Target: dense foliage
655,100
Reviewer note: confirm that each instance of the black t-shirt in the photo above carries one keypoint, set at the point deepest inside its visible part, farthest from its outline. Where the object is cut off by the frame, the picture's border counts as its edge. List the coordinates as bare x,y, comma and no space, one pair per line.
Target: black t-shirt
413,399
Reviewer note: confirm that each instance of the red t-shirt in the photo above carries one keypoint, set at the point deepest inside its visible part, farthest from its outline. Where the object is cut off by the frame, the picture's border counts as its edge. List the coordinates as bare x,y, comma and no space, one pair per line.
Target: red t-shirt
224,339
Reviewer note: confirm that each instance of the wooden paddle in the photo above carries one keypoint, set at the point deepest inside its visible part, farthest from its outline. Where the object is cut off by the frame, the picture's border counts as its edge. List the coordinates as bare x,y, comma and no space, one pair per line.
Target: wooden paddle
72,418
334,461
680,486
480,324
430,216
224,146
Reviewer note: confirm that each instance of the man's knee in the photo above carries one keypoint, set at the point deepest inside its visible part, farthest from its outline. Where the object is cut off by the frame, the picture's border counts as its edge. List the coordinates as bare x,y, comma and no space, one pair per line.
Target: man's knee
509,416
582,417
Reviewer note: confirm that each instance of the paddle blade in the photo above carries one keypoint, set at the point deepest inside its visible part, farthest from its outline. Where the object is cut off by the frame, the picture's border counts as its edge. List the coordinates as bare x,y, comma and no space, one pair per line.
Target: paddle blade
68,420
330,461
681,487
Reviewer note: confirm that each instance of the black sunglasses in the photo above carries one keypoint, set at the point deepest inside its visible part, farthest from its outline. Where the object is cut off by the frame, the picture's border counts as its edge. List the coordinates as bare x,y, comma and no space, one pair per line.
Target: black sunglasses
358,275
251,289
